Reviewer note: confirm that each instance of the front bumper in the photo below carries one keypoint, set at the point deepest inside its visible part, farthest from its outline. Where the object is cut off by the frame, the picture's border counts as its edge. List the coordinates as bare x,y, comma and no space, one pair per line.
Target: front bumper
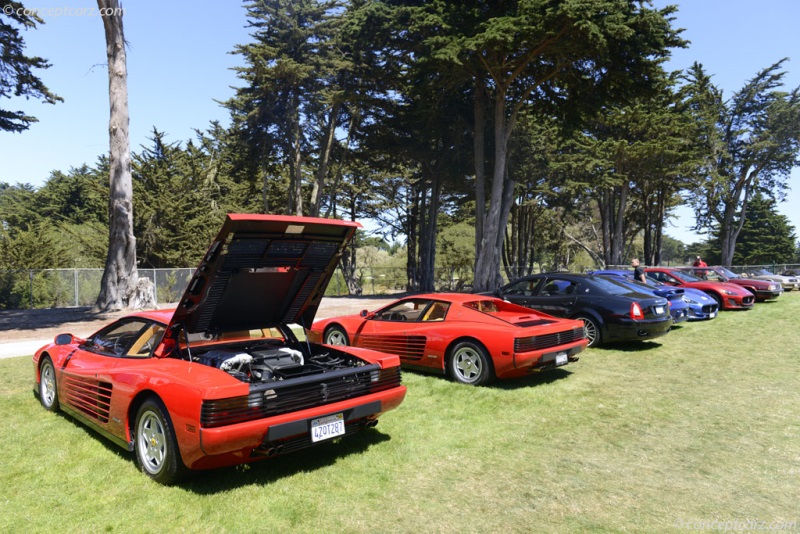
766,294
701,313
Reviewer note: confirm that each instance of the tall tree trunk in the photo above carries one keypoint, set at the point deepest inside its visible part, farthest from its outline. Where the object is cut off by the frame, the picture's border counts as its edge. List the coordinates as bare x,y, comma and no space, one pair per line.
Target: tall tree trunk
427,239
480,161
412,273
120,276
324,159
487,263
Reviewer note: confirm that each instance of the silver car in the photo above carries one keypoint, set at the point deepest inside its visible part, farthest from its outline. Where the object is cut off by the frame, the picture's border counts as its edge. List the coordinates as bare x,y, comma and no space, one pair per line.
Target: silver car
788,282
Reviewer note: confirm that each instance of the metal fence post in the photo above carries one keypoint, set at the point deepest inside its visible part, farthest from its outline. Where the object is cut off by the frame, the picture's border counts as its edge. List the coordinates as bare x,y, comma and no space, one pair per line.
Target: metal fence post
76,286
30,287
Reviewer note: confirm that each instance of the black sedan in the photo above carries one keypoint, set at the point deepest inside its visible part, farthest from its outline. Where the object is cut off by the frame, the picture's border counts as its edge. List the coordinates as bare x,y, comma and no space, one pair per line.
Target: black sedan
609,310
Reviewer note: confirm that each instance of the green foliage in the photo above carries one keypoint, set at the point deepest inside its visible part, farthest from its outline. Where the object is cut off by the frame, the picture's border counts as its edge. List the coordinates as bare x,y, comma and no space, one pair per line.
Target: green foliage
766,236
455,246
17,78
751,143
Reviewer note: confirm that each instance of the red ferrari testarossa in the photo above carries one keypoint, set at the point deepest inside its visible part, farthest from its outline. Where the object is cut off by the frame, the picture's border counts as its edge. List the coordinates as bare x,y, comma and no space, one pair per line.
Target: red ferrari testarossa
222,379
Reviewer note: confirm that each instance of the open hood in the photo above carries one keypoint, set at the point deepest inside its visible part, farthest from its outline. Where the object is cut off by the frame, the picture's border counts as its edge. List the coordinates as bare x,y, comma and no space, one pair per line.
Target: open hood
262,271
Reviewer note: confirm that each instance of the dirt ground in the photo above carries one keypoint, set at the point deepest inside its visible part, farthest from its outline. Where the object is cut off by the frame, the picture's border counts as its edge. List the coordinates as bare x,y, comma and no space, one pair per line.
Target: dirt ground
24,325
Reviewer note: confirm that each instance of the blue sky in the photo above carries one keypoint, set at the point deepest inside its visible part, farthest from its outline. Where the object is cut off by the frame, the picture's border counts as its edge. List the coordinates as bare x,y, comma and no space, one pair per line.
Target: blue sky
179,65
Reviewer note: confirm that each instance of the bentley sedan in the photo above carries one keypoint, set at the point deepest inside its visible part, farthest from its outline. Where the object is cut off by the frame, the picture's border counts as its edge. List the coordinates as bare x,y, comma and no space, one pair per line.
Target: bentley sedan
609,310
222,379
472,338
787,282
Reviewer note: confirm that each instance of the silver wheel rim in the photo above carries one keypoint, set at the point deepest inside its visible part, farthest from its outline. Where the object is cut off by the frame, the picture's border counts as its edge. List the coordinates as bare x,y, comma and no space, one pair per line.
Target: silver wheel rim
152,442
468,364
336,337
591,331
48,385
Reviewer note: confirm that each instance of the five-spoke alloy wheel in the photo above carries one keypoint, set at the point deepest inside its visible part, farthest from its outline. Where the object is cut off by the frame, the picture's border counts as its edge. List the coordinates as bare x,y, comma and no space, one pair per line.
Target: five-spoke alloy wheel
469,364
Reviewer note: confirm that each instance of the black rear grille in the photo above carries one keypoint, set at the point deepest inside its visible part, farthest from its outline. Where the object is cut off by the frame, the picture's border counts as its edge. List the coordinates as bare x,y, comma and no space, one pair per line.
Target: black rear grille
298,394
526,344
304,441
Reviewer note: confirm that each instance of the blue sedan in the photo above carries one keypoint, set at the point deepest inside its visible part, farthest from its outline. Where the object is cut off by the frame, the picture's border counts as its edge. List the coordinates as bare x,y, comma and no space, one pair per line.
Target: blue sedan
699,304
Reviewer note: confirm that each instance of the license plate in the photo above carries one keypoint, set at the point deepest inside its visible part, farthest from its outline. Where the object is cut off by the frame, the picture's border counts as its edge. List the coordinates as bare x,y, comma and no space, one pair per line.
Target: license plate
327,427
659,310
561,358
712,315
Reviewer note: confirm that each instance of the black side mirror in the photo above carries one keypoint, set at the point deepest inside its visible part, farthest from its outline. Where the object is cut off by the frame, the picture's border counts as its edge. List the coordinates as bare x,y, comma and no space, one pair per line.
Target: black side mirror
64,339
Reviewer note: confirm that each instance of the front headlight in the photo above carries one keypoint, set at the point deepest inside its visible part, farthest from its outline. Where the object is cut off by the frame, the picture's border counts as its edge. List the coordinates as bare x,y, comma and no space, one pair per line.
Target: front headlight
687,300
729,292
773,287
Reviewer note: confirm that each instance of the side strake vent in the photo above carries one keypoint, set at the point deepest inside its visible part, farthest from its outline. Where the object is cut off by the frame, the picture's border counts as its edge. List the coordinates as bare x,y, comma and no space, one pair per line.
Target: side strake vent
90,397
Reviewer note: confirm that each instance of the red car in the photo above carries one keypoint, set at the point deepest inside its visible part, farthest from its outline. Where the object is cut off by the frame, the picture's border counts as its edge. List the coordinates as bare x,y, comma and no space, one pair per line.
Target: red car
222,380
728,296
472,338
762,289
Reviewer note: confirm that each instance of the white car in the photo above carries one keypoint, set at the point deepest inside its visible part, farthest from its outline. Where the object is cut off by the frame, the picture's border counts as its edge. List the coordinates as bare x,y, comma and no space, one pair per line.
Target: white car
788,282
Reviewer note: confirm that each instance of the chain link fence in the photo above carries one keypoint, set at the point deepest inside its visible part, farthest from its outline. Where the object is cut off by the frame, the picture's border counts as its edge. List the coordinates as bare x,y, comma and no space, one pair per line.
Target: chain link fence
62,288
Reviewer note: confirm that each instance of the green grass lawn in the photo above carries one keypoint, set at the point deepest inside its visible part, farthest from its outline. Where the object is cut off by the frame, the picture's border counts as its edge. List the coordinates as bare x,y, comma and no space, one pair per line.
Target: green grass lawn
701,425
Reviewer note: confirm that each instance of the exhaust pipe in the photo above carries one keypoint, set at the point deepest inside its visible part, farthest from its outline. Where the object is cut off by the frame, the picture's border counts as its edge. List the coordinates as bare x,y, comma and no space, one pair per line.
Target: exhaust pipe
372,423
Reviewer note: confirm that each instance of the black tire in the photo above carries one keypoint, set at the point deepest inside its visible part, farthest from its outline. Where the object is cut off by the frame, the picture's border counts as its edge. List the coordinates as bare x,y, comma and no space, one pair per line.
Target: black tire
718,298
469,364
335,335
155,445
48,390
592,329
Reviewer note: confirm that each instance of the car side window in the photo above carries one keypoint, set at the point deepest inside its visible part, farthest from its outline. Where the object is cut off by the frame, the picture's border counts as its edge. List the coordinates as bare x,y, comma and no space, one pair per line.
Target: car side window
148,339
436,312
117,339
523,287
406,310
556,287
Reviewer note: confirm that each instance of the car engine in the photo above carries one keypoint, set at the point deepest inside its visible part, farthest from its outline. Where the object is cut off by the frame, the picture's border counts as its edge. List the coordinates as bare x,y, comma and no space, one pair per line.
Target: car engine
260,364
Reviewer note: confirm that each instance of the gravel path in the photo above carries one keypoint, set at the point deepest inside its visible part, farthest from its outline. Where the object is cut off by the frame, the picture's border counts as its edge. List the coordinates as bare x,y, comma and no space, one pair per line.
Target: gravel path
22,332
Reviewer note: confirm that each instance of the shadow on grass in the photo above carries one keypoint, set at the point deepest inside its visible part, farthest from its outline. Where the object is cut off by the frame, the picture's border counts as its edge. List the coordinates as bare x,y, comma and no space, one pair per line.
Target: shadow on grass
269,470
538,379
534,379
266,471
628,346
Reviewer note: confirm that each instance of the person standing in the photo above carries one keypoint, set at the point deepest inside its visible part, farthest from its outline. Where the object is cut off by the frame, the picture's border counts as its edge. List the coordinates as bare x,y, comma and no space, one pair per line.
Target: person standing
698,262
638,272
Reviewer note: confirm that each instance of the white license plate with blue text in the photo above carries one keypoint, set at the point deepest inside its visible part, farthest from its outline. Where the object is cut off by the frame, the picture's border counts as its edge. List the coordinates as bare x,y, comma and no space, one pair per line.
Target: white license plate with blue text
561,358
712,315
659,310
327,427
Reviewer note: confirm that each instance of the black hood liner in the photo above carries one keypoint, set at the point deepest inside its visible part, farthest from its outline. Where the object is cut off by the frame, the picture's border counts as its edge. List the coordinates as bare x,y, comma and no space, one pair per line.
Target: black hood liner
263,271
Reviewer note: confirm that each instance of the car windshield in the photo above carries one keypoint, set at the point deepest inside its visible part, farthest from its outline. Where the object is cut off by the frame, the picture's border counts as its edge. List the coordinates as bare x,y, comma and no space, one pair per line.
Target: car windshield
686,277
761,272
726,273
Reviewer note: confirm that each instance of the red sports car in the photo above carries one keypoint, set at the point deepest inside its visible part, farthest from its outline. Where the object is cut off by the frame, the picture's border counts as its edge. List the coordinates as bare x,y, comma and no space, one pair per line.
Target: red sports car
222,379
472,338
762,289
728,296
